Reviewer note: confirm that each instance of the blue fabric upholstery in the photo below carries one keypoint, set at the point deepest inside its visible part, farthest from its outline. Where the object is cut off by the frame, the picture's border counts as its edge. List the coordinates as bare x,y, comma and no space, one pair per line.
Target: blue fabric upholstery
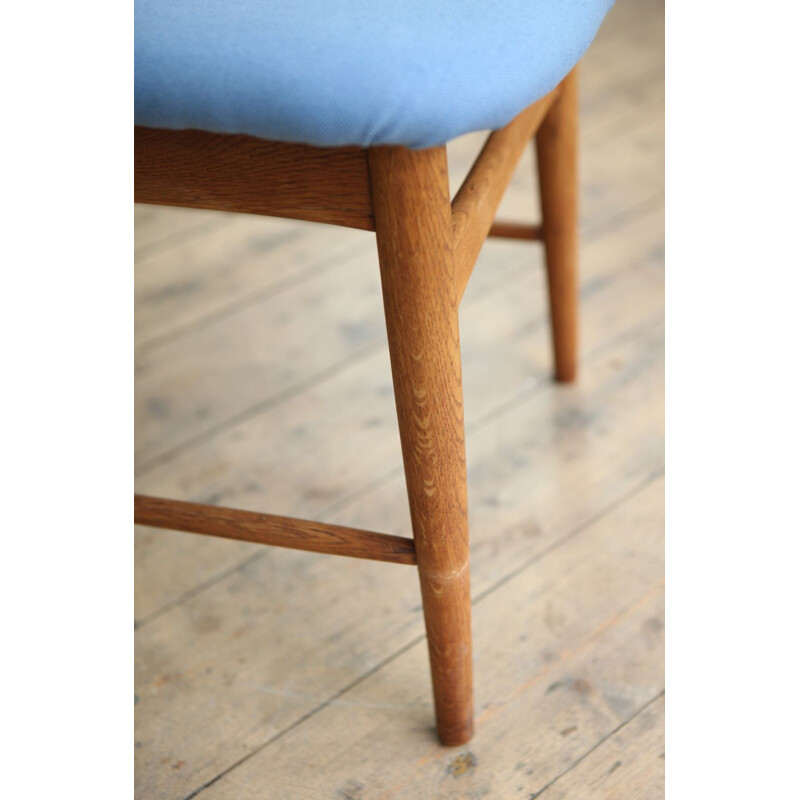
353,72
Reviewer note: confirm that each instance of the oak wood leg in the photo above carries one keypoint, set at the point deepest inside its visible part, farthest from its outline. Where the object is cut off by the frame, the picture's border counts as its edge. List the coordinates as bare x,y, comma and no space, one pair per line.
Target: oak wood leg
411,203
557,156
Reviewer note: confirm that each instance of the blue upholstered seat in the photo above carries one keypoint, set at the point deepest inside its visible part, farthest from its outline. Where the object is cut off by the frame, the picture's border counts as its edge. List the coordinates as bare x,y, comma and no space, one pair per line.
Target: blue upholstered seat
352,72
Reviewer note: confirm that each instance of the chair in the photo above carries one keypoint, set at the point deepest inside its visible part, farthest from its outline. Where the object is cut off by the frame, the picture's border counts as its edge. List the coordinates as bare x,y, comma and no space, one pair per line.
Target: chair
338,113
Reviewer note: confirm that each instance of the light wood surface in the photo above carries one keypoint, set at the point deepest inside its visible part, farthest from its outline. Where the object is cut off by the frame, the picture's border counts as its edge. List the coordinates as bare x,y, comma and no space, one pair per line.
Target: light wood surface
623,279
629,763
247,656
563,673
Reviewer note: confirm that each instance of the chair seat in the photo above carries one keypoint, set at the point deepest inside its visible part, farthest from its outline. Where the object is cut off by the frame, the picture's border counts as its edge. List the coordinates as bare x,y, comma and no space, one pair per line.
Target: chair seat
353,72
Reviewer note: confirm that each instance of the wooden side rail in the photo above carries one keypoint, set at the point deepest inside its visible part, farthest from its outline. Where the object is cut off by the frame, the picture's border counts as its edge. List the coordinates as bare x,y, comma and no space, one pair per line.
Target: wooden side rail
476,202
516,230
248,526
196,169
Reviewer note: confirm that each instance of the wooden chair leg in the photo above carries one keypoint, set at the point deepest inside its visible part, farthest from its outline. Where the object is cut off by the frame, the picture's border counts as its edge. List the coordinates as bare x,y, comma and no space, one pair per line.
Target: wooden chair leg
411,202
557,156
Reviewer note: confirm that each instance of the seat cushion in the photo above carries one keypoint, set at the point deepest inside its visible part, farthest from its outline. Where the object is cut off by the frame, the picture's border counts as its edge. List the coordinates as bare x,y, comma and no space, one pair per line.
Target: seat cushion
352,72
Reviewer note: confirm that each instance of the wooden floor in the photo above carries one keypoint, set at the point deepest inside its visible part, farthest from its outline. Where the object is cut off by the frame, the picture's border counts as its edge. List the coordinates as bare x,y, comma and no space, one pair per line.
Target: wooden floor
263,383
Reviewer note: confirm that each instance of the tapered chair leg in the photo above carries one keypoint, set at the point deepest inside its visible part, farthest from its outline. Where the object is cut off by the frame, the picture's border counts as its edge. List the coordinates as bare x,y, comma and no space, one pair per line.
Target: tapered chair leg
411,203
557,156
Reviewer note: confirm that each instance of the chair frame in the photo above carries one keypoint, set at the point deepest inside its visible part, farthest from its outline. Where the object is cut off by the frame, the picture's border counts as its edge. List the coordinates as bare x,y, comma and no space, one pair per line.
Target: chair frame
427,248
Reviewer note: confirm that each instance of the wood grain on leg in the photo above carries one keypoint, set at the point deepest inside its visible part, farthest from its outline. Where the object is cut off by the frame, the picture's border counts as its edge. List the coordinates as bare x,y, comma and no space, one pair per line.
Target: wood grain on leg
413,224
556,150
